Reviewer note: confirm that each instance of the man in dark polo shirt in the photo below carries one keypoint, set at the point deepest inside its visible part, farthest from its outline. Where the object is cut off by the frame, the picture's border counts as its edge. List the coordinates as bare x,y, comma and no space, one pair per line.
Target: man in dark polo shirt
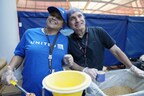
87,44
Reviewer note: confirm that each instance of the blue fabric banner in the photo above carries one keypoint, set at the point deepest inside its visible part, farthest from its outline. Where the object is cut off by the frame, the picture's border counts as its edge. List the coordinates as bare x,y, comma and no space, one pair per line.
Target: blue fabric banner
127,31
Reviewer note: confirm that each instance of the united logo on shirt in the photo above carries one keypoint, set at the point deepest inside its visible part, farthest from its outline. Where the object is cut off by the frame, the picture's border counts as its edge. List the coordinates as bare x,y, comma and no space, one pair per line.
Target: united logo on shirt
60,46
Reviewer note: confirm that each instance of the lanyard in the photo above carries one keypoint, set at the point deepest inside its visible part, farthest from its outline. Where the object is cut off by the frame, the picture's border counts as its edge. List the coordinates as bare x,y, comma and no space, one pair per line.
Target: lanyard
51,49
85,49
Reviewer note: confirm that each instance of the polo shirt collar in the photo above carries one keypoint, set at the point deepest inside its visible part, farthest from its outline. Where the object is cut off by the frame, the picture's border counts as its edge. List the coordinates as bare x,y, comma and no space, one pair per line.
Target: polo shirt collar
76,36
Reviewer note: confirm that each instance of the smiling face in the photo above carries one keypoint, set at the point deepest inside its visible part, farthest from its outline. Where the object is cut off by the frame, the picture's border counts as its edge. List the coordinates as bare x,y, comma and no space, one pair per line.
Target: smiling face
55,21
77,22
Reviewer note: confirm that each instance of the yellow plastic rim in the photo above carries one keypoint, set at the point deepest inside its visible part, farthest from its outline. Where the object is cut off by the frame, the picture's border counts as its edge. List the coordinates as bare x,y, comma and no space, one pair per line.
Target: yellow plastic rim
49,85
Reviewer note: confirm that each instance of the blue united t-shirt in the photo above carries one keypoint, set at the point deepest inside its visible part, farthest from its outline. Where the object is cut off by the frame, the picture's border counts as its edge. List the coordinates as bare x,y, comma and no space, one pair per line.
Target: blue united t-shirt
34,48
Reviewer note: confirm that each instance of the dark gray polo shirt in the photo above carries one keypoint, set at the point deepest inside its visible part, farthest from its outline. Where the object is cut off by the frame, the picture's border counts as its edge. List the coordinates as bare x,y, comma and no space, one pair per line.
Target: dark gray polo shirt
97,39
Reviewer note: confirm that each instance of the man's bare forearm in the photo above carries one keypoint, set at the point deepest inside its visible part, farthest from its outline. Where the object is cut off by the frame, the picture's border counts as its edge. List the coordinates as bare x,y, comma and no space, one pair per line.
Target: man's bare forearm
77,67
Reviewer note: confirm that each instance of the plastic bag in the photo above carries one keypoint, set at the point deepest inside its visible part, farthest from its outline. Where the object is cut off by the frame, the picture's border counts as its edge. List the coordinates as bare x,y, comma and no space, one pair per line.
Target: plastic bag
93,90
123,77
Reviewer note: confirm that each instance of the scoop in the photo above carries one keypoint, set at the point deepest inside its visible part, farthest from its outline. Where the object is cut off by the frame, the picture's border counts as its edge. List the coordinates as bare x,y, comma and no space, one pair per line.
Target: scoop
18,86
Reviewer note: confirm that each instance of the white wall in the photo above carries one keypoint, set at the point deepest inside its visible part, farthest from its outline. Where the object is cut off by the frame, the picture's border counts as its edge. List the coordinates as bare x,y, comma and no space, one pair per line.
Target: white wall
9,35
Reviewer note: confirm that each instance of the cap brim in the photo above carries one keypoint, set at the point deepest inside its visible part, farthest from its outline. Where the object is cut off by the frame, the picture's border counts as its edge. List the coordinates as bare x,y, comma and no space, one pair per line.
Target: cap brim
51,9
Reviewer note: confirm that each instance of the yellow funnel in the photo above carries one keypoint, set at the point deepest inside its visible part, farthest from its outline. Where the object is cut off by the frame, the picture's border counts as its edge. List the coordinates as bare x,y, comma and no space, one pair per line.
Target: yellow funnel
67,83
